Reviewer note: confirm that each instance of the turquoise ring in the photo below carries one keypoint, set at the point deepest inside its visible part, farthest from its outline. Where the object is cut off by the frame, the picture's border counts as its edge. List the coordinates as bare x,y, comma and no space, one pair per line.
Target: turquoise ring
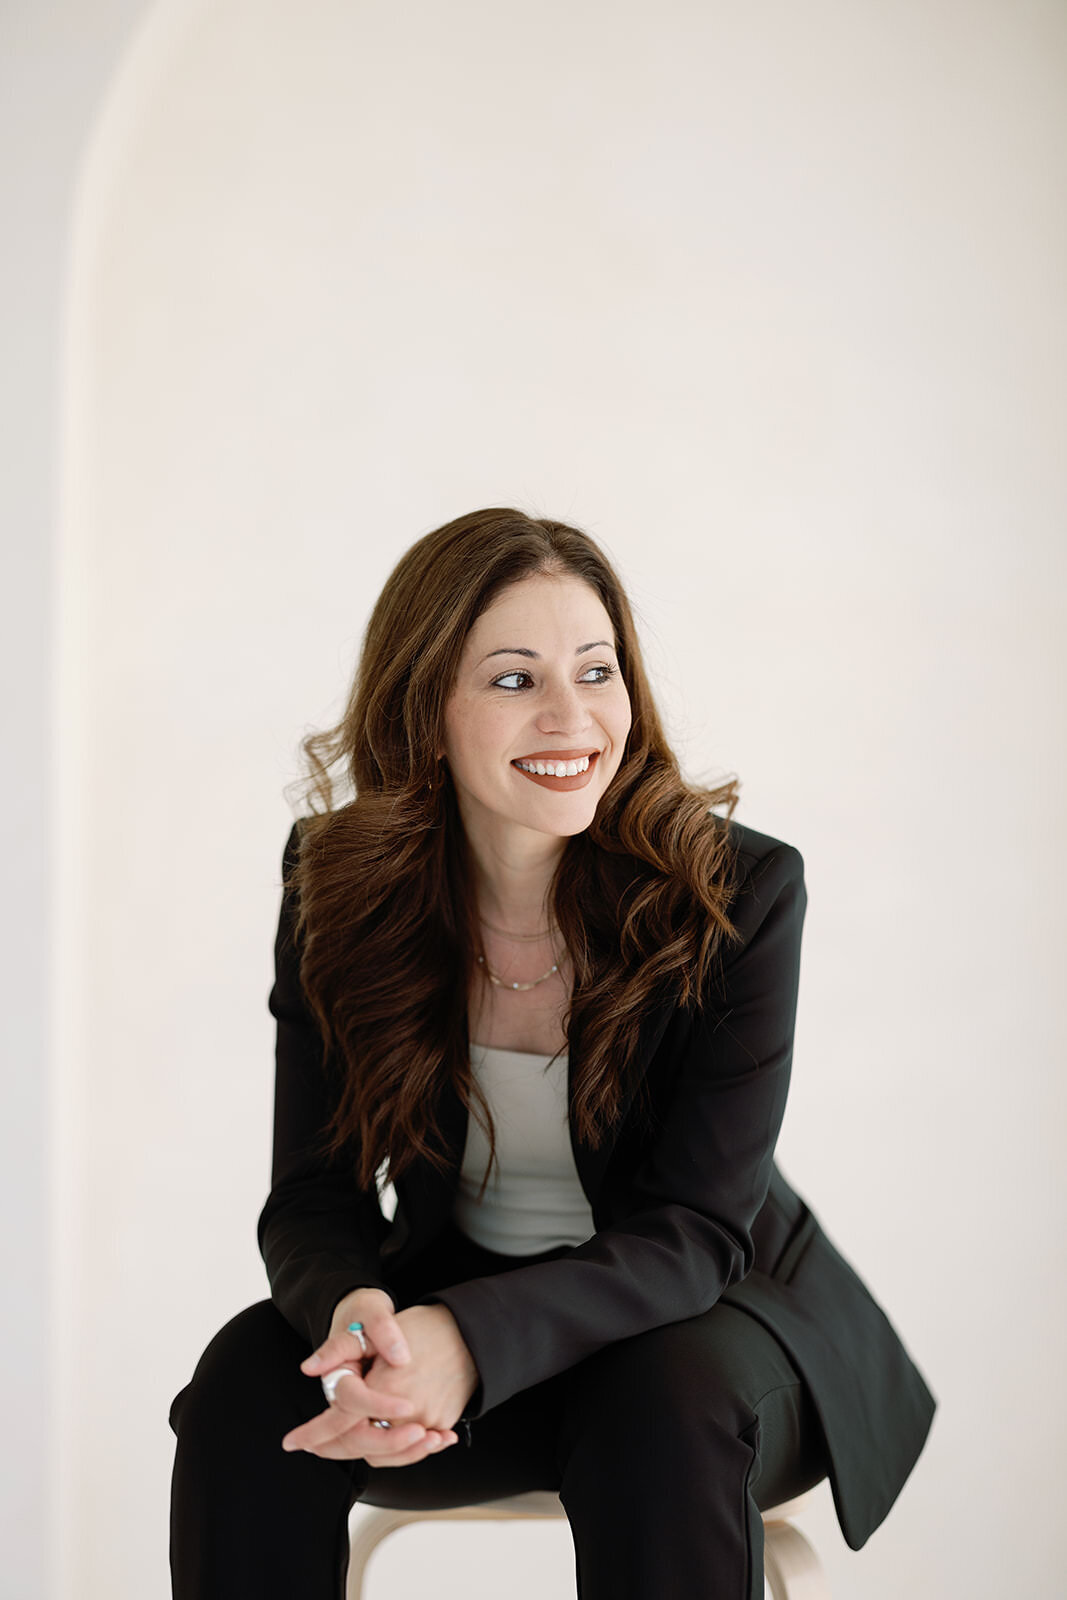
357,1329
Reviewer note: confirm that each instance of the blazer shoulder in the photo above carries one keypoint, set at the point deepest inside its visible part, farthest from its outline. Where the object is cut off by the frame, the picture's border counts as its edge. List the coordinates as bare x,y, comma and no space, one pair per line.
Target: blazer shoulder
755,852
766,888
764,898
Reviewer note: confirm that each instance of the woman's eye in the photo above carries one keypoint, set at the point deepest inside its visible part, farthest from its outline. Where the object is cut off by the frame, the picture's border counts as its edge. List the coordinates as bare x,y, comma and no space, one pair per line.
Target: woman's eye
502,683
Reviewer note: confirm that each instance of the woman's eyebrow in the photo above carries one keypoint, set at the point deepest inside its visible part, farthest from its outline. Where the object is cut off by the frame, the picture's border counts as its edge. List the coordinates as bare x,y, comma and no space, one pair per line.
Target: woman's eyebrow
520,650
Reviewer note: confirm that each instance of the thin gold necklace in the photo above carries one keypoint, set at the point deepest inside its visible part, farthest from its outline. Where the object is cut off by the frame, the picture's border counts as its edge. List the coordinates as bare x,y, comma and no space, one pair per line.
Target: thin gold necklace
501,984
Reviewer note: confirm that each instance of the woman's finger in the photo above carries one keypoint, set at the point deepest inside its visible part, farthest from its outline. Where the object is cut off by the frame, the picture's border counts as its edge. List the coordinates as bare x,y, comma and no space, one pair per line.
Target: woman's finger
353,1403
344,1349
403,1451
433,1444
331,1425
363,1437
355,1397
338,1442
382,1336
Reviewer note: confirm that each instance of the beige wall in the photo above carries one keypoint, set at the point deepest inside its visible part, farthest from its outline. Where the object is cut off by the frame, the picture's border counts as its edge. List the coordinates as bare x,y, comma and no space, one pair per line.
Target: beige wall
768,300
56,58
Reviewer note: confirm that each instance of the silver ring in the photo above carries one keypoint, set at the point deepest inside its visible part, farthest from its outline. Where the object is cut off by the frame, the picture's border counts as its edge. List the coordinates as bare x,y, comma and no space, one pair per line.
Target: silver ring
380,1422
357,1329
330,1380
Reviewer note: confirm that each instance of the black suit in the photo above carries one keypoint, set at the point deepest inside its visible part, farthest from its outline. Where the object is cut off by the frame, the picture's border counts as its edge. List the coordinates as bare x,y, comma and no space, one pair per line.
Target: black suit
705,1353
689,1207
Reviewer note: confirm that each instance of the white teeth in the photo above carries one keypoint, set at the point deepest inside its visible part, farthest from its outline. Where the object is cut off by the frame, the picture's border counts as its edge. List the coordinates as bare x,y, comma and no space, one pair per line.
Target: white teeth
555,769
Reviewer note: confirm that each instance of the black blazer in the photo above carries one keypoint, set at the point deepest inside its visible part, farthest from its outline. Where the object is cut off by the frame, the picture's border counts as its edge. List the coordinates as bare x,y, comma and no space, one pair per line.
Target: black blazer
688,1204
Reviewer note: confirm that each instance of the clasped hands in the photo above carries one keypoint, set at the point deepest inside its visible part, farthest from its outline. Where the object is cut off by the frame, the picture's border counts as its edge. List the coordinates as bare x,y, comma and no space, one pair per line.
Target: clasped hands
417,1374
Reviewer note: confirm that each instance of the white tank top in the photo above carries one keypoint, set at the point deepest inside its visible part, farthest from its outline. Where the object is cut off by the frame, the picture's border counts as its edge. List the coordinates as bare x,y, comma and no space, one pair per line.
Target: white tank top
533,1201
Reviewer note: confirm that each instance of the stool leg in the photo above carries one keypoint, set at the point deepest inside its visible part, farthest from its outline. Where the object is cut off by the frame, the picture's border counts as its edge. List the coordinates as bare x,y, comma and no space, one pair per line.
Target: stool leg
792,1569
377,1524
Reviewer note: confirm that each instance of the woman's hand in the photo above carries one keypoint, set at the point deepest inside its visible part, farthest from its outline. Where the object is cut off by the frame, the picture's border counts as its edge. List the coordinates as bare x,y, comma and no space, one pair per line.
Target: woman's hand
417,1366
441,1376
344,1431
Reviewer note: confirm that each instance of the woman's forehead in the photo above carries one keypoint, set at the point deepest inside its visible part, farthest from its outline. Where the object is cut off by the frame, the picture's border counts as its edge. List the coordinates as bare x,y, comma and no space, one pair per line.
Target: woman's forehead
551,604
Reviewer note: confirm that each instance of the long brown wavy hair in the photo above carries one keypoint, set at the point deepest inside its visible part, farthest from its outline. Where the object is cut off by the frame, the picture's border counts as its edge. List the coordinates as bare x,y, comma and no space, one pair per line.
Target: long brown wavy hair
386,917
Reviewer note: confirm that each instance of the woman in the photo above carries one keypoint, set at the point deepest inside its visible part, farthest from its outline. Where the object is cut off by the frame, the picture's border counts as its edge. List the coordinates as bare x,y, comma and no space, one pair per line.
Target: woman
554,1005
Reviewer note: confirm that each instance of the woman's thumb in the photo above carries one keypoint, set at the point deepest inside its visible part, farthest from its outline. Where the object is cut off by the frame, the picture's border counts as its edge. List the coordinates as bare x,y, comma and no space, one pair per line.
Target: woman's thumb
388,1340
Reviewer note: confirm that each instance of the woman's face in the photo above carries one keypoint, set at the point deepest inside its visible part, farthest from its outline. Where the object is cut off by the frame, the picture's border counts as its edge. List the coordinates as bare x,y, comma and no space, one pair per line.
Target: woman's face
538,681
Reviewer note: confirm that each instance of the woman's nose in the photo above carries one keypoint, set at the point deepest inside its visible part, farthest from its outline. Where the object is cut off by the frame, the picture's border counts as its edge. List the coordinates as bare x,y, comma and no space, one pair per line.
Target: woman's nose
562,710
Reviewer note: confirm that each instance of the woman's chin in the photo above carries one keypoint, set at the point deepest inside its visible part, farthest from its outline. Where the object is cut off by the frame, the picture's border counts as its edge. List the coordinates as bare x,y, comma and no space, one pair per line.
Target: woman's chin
576,821
557,814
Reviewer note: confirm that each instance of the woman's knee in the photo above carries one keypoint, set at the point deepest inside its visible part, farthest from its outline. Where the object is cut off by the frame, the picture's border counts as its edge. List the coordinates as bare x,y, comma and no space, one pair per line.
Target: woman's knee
248,1372
714,1395
706,1372
683,1391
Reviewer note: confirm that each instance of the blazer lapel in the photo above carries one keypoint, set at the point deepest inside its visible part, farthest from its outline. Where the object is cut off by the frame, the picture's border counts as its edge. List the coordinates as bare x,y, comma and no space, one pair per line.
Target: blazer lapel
591,1163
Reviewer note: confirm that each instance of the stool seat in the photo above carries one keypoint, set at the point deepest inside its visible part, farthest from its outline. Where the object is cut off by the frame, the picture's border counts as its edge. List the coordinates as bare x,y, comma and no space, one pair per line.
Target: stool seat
791,1567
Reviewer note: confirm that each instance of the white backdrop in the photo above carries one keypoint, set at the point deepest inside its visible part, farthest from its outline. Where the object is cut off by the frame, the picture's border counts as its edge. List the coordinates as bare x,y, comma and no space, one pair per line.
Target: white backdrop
770,301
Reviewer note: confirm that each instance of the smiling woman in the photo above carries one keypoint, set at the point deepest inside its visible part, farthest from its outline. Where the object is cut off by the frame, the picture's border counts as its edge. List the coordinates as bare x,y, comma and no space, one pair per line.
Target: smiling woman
498,638
528,924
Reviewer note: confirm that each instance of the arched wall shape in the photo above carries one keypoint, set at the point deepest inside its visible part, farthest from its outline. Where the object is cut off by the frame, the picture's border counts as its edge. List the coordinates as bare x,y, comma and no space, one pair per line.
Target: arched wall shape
81,1164
341,272
55,64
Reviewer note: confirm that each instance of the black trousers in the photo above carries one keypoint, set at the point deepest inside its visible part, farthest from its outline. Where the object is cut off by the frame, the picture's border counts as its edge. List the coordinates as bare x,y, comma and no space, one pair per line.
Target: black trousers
663,1448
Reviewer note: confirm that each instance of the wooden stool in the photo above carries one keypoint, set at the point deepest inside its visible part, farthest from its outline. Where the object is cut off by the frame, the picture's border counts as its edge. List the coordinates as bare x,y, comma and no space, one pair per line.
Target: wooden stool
793,1570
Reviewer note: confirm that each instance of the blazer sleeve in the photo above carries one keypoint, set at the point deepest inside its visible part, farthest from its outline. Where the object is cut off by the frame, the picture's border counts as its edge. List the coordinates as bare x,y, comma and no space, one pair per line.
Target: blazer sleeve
318,1234
682,1232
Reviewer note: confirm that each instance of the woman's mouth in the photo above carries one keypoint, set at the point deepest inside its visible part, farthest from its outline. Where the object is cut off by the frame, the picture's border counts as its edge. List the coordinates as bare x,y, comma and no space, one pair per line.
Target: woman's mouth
558,772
